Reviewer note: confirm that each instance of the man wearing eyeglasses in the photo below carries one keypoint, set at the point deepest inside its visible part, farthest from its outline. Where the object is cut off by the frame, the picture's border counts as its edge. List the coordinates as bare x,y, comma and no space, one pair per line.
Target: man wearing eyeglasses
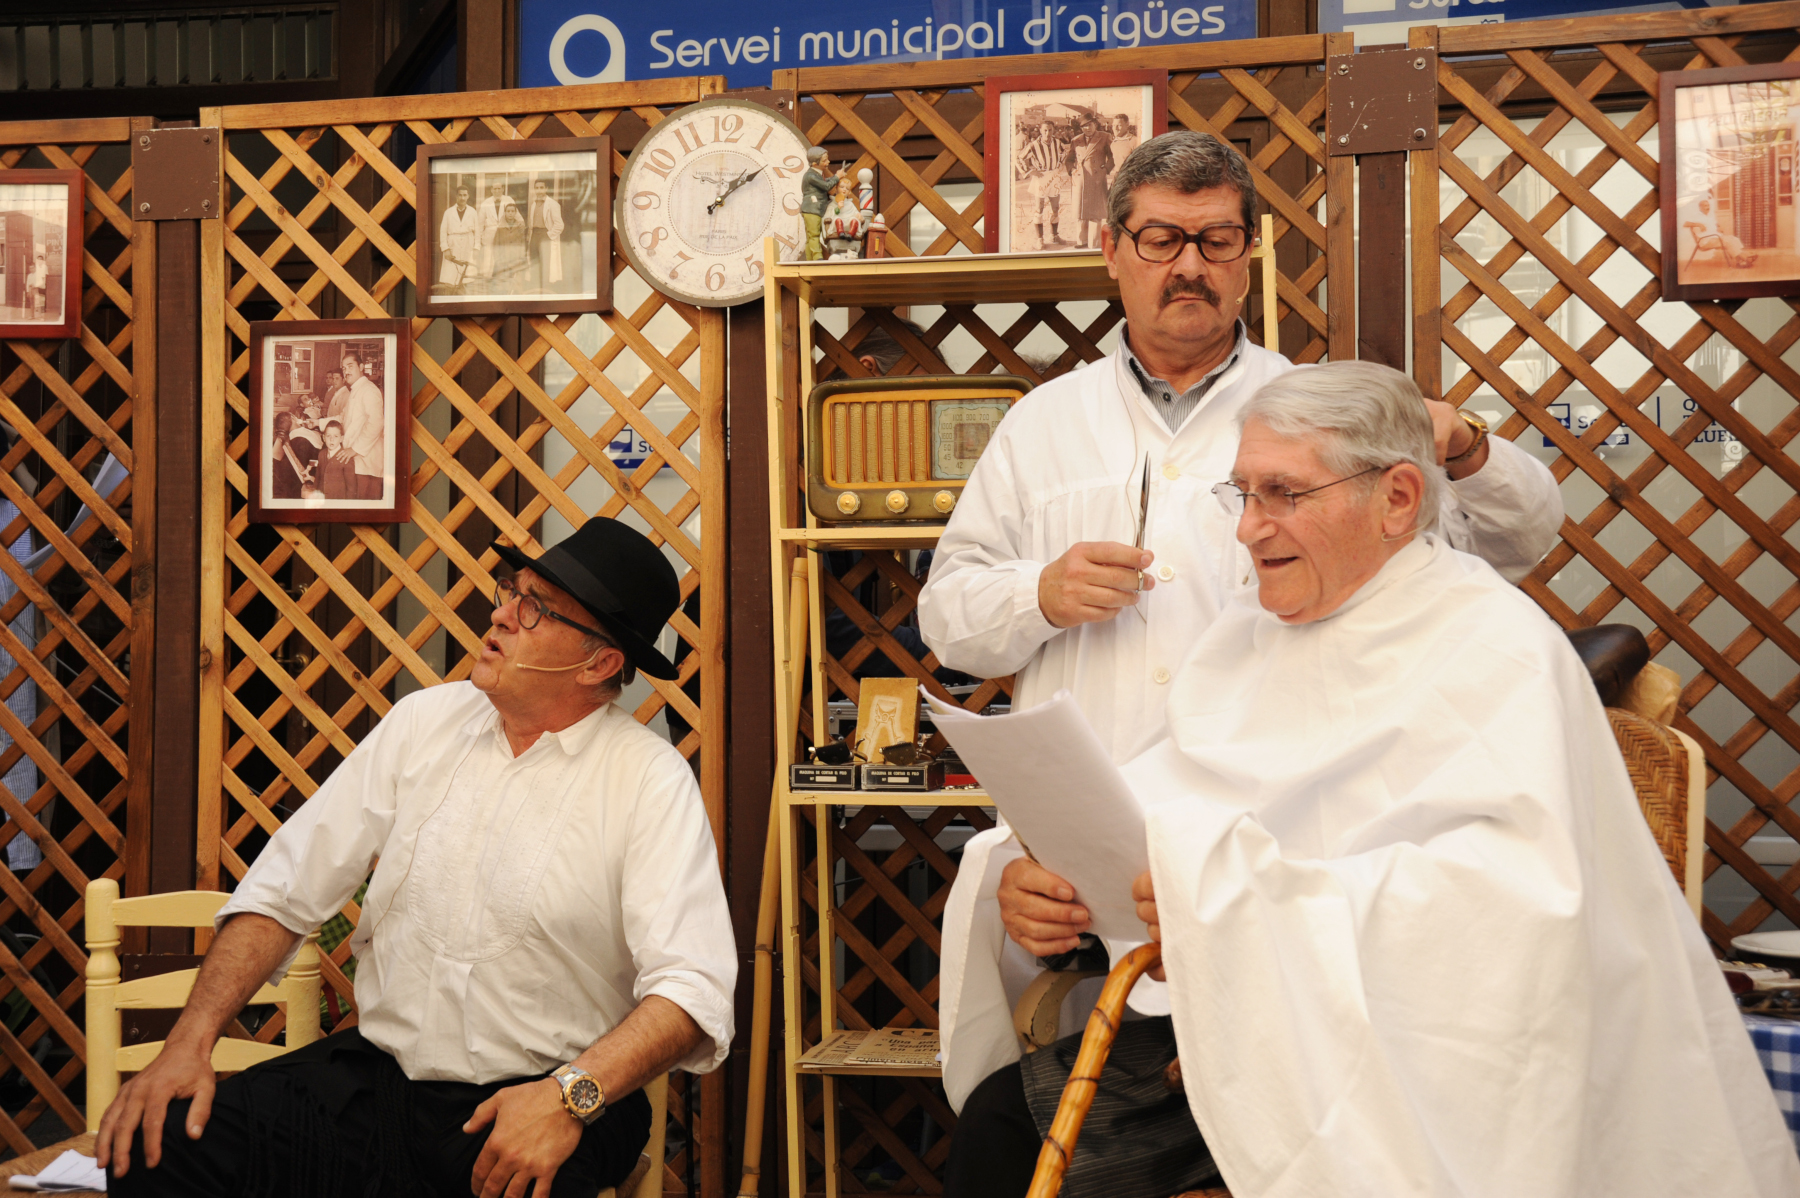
544,931
1056,566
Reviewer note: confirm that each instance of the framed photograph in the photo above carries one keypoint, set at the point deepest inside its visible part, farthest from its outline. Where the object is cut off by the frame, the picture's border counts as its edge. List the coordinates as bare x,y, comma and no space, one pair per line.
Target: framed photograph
40,253
1054,143
1730,228
520,228
331,421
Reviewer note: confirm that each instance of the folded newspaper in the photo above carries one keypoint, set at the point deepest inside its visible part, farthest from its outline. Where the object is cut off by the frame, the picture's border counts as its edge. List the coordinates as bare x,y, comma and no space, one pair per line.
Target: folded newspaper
70,1171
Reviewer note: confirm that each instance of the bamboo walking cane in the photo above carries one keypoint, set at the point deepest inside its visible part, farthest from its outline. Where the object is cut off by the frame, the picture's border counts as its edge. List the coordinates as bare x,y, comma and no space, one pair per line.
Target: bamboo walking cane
768,910
1084,1079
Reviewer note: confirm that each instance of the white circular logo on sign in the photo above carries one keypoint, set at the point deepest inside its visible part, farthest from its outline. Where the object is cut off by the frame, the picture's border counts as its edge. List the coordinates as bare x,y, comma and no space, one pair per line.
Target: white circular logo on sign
612,72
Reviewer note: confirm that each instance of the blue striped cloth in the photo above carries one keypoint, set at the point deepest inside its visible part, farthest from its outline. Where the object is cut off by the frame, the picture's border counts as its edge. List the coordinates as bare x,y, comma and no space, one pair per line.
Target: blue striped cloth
1778,1048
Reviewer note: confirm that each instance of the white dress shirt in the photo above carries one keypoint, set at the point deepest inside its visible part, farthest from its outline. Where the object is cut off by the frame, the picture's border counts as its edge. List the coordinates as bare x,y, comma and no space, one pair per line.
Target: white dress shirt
520,907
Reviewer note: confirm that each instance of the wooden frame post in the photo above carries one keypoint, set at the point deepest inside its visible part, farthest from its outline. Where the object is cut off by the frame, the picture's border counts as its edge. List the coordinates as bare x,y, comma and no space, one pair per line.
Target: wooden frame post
1427,280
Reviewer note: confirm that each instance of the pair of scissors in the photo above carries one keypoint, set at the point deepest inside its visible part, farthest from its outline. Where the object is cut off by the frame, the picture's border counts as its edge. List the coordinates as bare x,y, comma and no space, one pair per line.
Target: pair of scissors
1143,522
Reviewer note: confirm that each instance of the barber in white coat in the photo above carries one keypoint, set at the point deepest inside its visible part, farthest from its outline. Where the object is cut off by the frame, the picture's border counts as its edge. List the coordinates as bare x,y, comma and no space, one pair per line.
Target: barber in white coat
1036,569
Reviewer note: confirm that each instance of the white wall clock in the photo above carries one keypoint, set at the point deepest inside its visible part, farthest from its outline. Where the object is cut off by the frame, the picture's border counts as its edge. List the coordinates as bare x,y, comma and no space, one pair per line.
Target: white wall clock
702,190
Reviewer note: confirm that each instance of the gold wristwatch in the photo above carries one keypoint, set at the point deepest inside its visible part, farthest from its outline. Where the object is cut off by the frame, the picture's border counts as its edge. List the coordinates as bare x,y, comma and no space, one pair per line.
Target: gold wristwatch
1481,433
582,1096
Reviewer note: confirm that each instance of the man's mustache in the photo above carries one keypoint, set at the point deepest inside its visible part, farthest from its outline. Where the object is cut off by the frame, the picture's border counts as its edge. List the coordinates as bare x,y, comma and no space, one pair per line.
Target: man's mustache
1199,289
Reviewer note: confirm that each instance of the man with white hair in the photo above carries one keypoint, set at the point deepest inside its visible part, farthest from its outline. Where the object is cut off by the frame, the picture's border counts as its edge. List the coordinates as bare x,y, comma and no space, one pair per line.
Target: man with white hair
1419,939
1043,557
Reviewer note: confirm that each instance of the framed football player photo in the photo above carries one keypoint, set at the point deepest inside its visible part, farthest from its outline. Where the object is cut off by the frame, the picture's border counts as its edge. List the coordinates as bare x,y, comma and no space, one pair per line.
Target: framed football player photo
1054,144
40,253
331,422
515,228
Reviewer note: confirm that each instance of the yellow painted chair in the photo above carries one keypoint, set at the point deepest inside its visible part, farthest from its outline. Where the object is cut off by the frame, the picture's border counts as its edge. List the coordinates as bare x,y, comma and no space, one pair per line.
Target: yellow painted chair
107,996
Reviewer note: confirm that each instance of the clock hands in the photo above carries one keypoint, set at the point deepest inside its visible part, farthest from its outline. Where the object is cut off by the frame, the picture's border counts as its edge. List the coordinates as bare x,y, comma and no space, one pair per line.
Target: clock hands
734,185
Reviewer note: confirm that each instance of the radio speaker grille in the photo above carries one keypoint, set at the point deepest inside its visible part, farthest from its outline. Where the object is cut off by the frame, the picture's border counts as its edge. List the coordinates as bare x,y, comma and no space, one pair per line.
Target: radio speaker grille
880,442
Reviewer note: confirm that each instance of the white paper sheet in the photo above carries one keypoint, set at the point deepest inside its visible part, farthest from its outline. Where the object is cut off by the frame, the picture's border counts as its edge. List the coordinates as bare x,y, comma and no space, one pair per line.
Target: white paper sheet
1059,790
70,1171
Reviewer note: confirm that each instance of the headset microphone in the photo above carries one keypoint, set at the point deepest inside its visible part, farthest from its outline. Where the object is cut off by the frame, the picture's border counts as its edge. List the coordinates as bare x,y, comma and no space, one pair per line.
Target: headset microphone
561,669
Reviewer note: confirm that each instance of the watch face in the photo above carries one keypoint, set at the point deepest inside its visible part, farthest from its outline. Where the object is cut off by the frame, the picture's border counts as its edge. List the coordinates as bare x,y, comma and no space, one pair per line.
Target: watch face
584,1094
701,192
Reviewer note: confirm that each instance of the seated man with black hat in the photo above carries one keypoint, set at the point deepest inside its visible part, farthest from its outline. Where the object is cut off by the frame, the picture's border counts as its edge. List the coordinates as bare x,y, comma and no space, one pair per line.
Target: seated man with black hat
544,932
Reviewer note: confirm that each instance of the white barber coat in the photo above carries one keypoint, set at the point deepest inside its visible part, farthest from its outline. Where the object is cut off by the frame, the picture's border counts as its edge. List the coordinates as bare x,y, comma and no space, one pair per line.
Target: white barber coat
522,907
1419,937
1063,467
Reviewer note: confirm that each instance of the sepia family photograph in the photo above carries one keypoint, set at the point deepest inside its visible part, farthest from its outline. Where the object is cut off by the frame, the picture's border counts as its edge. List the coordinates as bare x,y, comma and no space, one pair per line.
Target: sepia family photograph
514,230
328,425
1055,143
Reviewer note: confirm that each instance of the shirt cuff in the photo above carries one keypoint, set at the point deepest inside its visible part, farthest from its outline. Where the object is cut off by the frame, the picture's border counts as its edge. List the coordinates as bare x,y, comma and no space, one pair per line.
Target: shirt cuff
242,904
706,1007
1026,614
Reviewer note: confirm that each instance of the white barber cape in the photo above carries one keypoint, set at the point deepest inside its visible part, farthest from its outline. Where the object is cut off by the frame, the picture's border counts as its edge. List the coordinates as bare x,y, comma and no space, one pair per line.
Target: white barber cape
1065,466
1420,940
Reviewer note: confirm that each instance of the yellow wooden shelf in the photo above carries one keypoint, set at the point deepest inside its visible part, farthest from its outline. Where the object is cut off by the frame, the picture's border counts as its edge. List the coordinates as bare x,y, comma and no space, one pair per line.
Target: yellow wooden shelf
951,279
887,798
875,536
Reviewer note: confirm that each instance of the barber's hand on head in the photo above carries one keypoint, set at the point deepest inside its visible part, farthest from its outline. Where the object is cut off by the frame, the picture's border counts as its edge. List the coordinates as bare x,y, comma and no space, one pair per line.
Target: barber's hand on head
533,1135
1093,581
1453,436
181,1070
1143,892
1039,910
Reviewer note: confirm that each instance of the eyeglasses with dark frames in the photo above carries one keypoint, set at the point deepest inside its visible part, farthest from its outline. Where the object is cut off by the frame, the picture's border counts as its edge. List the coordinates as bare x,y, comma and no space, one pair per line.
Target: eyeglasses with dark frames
1277,501
1165,243
532,610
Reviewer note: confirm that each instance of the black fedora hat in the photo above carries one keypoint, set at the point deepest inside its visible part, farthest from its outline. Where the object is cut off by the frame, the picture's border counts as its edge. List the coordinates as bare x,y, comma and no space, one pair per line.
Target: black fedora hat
619,576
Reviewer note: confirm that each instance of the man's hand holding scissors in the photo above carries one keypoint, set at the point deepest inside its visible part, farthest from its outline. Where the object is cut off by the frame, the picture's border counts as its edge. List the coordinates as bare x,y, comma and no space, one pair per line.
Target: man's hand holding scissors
1096,580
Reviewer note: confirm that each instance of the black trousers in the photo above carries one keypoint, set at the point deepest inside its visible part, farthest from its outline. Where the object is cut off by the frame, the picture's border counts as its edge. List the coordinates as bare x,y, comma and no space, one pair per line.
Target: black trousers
1139,1139
340,1118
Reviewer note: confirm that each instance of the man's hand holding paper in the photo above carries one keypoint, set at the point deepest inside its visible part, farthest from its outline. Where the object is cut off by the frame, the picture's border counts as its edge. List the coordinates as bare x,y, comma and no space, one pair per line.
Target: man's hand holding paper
1039,910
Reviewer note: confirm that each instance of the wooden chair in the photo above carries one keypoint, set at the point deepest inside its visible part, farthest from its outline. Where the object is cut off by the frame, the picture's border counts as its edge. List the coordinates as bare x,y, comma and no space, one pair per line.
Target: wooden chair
1667,769
107,996
646,1180
1705,242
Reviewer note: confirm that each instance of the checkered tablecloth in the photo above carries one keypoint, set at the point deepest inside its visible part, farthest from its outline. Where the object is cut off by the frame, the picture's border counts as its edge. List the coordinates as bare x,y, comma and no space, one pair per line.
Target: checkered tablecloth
1778,1048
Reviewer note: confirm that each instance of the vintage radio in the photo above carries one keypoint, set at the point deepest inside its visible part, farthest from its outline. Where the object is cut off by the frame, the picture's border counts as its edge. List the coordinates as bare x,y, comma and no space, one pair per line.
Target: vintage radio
899,449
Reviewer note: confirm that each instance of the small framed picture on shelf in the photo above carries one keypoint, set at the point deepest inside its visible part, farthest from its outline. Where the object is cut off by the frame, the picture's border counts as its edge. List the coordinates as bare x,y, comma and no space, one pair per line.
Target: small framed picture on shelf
515,228
40,253
331,422
1054,143
1729,224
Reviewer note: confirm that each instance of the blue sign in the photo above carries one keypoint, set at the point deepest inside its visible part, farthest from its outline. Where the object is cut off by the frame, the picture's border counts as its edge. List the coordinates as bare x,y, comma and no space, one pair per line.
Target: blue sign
596,41
1385,22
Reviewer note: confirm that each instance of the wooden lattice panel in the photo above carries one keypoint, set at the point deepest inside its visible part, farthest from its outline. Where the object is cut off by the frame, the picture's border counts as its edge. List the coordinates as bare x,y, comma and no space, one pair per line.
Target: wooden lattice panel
320,631
72,404
1584,82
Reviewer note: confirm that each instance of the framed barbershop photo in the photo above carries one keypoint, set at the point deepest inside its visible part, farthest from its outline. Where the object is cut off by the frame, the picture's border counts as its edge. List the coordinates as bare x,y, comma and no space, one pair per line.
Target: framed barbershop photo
40,253
1054,143
1730,227
517,228
331,421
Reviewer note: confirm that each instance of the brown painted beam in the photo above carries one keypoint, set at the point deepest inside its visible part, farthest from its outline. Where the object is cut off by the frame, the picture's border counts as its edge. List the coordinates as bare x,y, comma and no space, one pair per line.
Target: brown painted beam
1381,259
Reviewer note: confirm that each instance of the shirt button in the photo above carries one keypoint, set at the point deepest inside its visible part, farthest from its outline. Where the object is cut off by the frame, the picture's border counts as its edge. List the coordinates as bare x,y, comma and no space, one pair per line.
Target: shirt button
1171,472
1166,573
1161,675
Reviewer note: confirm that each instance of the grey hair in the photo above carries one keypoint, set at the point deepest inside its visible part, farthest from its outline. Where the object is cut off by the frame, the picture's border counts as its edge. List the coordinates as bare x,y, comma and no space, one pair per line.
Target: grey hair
1372,415
1187,162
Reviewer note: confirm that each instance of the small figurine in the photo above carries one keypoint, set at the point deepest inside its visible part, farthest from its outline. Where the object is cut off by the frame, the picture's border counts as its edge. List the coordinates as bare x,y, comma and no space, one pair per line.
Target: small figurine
843,225
815,193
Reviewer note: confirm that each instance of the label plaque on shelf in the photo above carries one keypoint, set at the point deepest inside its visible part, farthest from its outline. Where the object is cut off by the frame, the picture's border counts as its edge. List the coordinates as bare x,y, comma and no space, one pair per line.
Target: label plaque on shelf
822,777
929,776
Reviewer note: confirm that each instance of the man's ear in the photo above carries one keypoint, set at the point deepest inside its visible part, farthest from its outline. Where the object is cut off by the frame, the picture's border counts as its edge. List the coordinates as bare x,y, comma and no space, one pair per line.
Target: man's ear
1404,487
1109,247
605,665
870,364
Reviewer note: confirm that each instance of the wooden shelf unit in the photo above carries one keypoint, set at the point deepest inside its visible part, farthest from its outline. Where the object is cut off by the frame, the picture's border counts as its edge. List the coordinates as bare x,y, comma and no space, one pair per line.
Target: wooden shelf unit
806,287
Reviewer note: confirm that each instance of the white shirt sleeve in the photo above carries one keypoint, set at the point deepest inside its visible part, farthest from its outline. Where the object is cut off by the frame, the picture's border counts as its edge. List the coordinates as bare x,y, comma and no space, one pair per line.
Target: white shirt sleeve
1508,512
315,861
979,609
672,901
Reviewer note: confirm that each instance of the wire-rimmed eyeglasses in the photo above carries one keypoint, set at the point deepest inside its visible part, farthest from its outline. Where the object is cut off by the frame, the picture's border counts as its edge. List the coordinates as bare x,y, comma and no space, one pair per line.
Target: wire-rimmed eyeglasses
1164,243
1277,501
532,609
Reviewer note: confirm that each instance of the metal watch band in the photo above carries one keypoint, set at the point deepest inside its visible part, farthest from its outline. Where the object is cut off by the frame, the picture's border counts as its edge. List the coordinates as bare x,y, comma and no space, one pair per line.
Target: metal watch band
1481,434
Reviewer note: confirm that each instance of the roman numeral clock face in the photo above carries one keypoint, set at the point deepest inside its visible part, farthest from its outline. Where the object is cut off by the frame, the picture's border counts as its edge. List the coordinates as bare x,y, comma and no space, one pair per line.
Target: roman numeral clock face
701,192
